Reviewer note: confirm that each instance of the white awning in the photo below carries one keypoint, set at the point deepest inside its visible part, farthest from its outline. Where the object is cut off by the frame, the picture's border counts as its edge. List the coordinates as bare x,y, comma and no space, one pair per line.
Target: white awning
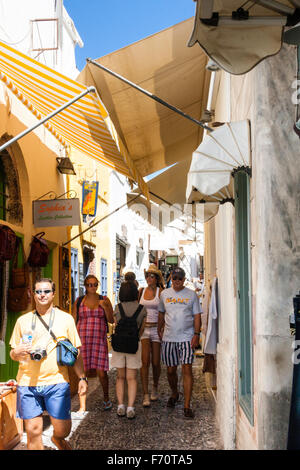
236,36
221,153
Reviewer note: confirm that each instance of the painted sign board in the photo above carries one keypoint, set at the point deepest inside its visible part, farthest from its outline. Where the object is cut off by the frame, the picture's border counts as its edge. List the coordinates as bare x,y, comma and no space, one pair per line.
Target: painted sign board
89,198
56,212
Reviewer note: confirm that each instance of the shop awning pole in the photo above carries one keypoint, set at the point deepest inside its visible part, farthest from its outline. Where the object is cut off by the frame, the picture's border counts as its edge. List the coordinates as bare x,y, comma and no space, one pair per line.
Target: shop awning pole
150,95
45,119
101,220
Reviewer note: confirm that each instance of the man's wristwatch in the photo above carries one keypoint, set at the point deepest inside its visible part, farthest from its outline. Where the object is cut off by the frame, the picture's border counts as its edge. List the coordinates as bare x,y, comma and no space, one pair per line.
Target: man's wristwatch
84,378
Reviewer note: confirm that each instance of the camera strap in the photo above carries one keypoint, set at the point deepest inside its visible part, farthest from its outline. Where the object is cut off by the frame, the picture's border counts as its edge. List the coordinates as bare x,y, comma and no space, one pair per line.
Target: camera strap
48,327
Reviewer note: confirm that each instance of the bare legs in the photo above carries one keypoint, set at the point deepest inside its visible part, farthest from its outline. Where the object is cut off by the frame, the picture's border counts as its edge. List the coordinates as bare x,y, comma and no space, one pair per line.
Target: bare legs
150,351
34,430
187,377
130,376
103,379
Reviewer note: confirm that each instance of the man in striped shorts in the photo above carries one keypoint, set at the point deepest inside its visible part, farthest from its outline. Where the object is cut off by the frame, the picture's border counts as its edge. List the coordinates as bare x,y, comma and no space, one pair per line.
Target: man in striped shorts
179,323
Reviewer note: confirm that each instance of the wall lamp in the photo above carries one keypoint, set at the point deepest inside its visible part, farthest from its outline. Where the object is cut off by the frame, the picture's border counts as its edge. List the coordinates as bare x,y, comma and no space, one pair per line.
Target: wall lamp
65,166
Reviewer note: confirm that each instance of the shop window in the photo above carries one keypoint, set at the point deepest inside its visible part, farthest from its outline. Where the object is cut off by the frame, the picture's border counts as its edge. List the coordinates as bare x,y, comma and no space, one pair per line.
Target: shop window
74,274
103,273
243,278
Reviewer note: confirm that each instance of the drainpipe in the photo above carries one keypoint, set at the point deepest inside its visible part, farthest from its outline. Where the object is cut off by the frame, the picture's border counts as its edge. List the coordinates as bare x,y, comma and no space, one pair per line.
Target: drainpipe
297,123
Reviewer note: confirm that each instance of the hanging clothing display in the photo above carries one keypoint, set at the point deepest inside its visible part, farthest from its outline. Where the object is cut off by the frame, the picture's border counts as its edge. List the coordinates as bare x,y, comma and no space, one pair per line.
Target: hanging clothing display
3,311
210,346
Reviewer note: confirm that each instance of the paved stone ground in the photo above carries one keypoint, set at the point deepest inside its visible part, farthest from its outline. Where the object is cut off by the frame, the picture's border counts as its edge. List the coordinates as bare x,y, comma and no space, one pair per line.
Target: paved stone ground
157,427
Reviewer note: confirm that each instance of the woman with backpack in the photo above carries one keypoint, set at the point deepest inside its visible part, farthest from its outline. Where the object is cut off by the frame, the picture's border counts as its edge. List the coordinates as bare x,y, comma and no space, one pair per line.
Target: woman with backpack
127,338
93,313
149,297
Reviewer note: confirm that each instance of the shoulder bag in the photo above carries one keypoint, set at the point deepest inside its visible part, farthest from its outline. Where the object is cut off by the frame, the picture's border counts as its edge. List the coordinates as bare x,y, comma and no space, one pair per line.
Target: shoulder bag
66,352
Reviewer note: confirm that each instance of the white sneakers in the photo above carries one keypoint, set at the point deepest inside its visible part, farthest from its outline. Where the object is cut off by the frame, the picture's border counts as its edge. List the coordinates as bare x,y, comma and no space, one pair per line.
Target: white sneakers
130,413
121,410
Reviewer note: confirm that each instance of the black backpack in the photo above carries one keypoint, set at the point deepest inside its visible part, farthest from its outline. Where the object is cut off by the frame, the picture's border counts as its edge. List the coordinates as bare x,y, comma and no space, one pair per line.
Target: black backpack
126,336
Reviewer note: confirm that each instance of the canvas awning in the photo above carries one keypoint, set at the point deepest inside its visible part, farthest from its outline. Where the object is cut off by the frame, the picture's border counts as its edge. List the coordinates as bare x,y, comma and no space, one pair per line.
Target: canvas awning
237,35
222,153
154,135
85,124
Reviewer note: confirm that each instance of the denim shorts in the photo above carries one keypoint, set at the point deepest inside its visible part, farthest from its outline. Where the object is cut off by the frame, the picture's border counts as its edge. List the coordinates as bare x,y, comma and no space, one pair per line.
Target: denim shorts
32,401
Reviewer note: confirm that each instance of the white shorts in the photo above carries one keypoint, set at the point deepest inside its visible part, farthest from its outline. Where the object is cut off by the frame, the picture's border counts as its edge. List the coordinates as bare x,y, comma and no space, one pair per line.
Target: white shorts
150,332
131,361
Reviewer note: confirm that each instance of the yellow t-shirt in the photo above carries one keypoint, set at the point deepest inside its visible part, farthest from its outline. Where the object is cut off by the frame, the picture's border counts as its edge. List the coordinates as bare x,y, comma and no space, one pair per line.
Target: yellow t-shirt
46,371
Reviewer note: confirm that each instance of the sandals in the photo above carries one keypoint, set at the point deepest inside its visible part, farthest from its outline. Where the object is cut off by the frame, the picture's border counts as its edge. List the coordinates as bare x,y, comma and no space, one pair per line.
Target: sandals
107,405
172,401
146,401
188,413
154,395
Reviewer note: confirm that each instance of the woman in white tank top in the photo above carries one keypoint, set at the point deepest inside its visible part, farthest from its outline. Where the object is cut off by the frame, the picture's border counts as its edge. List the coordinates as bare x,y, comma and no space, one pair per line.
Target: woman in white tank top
149,297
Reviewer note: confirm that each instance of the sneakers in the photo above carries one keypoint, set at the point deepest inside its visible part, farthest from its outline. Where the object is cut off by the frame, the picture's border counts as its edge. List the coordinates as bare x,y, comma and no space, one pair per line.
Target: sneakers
130,413
121,410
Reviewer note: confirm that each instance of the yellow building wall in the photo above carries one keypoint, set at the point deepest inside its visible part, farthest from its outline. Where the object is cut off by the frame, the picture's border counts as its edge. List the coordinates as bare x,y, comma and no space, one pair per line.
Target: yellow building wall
90,170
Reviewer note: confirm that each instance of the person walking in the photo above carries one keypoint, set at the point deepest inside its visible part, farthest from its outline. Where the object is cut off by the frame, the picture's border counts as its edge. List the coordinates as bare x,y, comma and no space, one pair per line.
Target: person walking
127,364
94,314
149,297
42,383
179,323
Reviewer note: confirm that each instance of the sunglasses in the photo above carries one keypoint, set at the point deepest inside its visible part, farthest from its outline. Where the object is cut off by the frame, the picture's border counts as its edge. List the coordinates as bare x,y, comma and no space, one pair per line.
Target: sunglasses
177,278
151,275
41,291
95,284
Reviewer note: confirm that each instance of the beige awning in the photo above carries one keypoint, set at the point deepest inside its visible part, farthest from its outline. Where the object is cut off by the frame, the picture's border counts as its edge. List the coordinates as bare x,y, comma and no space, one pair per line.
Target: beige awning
238,45
154,135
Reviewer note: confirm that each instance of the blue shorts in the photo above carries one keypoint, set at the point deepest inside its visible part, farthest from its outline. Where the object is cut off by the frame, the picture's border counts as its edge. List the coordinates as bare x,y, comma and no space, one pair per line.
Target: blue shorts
32,401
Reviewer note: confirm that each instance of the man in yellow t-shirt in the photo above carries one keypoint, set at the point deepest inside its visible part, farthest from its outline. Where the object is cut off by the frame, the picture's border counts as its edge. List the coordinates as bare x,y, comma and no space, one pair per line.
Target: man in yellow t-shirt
42,383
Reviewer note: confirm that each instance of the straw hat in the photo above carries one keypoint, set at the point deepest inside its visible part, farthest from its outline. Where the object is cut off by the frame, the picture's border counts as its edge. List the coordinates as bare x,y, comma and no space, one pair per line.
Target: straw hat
153,269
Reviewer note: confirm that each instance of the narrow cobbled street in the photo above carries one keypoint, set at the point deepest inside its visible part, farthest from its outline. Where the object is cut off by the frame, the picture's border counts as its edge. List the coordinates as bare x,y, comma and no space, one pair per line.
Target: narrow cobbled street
157,427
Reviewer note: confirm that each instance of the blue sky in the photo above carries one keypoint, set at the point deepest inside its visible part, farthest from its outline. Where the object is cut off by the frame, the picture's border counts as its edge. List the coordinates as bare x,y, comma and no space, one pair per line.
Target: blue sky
108,25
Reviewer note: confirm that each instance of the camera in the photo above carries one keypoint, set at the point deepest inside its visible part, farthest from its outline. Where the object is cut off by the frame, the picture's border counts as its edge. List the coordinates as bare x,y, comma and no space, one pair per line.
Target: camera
38,354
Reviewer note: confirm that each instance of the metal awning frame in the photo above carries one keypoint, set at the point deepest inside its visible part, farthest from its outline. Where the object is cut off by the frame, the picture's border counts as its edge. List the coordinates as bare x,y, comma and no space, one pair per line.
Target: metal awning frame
290,16
150,95
46,118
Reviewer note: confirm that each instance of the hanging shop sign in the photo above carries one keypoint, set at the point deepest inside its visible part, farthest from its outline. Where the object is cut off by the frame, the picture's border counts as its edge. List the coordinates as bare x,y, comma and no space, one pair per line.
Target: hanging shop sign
89,198
56,212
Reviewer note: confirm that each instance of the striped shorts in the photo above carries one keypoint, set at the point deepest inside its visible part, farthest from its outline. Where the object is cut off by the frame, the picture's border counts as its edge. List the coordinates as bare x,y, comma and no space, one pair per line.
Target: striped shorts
174,354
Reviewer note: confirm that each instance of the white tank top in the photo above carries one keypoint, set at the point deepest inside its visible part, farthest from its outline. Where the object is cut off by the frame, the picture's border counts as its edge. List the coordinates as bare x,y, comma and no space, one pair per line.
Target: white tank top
151,306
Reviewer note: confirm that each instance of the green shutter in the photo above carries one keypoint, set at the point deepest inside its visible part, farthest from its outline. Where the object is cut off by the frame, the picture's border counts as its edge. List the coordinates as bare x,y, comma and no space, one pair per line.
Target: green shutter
243,275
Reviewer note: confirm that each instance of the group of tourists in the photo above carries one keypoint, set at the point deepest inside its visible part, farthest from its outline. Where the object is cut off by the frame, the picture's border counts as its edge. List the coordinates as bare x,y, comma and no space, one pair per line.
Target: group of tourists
167,321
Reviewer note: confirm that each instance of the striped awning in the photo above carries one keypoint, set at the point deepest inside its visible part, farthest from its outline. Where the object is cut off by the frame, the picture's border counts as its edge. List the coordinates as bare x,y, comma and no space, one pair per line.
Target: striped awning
85,125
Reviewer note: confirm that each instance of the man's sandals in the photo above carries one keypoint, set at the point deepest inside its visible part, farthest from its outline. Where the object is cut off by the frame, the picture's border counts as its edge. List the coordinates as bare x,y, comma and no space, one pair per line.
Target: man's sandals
172,401
188,413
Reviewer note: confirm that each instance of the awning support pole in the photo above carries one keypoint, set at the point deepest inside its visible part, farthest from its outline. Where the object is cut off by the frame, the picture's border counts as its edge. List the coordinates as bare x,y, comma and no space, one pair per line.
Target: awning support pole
101,220
45,119
150,95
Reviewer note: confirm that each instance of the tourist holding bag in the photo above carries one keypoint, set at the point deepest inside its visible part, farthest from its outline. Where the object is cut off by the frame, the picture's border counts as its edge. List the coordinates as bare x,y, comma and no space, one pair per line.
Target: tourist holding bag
43,382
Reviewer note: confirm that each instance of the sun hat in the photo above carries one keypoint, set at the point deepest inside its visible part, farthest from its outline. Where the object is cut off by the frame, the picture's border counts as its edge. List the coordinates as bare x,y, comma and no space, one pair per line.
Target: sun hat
153,269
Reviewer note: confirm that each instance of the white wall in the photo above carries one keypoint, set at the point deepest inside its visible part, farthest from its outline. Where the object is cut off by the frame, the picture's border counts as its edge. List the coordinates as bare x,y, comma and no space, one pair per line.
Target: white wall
18,31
